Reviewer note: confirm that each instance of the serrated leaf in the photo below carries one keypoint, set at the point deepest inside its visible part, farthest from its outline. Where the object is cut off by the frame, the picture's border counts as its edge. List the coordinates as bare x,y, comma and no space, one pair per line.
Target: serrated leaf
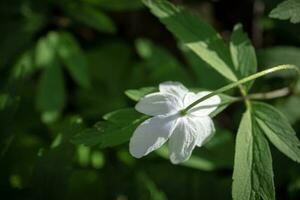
242,53
51,92
278,130
74,59
289,9
195,34
123,116
137,94
253,173
107,134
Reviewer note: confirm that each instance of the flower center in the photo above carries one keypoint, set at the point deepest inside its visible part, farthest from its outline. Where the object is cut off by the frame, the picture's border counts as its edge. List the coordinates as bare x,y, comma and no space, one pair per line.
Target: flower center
183,112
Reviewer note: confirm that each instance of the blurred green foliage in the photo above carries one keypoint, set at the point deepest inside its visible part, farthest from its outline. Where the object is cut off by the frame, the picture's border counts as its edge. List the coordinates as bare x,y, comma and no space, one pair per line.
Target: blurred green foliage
64,64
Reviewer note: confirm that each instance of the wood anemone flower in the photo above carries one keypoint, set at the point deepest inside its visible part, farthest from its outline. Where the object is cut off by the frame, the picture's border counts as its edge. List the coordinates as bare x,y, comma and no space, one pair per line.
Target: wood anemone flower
184,130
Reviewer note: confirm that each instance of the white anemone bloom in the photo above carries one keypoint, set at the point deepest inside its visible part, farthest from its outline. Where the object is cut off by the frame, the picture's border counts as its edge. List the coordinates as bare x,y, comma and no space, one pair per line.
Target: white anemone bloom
184,132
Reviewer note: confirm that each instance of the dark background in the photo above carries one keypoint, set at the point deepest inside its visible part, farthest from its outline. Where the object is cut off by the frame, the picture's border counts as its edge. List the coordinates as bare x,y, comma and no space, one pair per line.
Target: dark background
123,47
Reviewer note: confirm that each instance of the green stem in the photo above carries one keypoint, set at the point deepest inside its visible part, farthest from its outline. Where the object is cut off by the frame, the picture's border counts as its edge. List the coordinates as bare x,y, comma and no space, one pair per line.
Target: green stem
244,95
244,80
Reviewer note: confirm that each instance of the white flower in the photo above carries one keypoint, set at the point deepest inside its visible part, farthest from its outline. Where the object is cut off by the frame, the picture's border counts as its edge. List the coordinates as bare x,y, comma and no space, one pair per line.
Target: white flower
183,131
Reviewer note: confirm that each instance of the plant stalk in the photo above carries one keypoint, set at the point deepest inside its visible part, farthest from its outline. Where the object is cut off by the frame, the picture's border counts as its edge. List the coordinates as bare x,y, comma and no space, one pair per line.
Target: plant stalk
240,82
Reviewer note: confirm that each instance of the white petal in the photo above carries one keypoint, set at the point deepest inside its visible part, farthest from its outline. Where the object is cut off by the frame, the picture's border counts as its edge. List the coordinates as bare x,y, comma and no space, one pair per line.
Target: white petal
183,140
205,107
174,88
206,129
151,134
158,104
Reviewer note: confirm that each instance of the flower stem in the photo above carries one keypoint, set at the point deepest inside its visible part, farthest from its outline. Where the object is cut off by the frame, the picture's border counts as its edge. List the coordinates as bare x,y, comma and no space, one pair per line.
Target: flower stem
244,80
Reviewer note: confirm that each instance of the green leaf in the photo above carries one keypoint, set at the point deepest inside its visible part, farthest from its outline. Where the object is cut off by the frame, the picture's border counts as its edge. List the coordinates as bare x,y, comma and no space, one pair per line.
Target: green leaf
122,117
137,94
74,59
50,97
195,34
45,53
211,80
289,9
242,53
92,17
278,130
253,173
107,134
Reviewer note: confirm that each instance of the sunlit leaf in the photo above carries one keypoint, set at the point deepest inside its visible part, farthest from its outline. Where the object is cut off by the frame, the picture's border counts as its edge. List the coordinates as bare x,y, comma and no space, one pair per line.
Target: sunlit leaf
211,80
253,171
195,34
242,53
287,10
45,52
